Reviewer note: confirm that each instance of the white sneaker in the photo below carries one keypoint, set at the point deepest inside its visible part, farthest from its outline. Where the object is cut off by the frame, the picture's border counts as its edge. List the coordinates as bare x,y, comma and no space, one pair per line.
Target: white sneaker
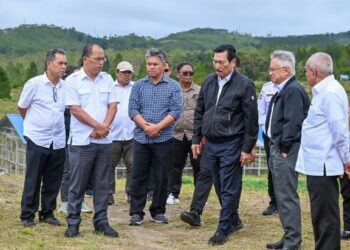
171,199
176,200
85,208
63,207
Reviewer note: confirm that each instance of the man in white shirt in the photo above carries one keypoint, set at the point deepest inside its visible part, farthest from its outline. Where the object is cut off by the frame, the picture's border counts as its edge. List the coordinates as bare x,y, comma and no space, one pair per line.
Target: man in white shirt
92,101
41,105
324,149
122,129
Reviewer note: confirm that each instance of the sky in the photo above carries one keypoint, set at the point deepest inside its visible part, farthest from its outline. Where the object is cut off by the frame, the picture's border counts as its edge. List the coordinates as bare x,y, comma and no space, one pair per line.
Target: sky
160,18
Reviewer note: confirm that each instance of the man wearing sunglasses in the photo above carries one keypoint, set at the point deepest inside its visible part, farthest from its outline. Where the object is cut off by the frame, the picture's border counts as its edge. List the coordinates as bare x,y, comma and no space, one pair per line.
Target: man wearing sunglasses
183,133
42,106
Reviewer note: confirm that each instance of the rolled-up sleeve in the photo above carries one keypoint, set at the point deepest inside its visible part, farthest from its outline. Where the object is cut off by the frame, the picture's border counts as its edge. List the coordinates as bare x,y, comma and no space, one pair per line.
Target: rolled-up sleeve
176,102
134,101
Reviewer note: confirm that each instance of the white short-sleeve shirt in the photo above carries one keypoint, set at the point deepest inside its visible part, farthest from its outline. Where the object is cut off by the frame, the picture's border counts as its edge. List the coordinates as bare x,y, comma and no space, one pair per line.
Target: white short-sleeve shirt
45,104
122,128
93,97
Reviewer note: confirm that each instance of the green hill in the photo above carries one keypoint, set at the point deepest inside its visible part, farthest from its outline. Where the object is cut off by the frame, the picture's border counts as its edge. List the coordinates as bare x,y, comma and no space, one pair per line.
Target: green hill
34,38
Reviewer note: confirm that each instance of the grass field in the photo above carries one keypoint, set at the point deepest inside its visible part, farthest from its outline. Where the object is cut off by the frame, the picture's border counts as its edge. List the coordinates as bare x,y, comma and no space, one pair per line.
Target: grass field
258,229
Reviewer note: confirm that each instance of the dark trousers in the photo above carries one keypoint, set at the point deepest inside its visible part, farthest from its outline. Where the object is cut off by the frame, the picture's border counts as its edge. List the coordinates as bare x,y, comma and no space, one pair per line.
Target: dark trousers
203,187
324,199
121,150
223,162
146,157
65,177
285,181
345,192
44,167
270,189
91,160
180,151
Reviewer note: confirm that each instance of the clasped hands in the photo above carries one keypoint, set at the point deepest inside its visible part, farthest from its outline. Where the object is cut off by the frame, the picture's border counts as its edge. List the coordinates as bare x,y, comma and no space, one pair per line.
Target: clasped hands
152,130
100,132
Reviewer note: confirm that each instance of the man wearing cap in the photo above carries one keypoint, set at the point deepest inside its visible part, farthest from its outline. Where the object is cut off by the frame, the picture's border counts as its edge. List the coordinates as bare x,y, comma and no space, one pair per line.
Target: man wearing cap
122,128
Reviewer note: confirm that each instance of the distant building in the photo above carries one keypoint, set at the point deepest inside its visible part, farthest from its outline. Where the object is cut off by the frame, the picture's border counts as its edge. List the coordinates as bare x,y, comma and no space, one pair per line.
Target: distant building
12,145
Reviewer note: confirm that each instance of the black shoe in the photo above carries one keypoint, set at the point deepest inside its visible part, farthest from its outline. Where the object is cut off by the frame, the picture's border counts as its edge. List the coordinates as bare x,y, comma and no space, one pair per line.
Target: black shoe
110,199
218,238
50,220
192,218
345,235
106,229
237,227
136,220
276,245
270,210
28,223
71,231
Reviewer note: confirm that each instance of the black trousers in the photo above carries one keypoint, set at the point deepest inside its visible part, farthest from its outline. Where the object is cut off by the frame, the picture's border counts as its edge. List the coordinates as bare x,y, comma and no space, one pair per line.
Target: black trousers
180,151
149,157
90,161
345,192
44,167
121,149
324,199
223,162
270,189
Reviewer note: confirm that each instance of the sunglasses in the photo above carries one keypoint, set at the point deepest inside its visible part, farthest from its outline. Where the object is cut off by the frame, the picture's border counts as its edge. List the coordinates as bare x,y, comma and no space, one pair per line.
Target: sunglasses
187,73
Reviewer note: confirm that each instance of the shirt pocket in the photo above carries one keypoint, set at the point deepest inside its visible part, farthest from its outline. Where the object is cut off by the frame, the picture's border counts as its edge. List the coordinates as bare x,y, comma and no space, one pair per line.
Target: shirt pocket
84,97
104,95
192,101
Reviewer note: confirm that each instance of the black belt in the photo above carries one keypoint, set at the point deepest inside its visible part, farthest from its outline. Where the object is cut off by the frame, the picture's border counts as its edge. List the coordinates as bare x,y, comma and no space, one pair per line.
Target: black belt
222,139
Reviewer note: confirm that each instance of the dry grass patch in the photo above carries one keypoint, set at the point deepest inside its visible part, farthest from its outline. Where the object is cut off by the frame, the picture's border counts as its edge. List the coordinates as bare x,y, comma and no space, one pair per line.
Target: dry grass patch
258,230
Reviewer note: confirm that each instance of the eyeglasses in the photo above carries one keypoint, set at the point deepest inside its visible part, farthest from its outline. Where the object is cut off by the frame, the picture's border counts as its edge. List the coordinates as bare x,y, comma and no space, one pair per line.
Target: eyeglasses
166,70
187,73
272,69
99,59
54,94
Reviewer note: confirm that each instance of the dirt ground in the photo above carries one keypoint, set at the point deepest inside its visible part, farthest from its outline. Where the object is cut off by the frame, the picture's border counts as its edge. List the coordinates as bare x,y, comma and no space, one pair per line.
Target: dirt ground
258,230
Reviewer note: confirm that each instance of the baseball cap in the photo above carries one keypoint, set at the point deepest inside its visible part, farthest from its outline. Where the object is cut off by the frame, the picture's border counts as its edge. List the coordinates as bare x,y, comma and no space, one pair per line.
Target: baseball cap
125,66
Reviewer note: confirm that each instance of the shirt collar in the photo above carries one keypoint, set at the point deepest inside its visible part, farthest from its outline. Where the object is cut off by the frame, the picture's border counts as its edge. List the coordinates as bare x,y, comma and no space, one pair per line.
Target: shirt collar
47,81
226,79
131,83
281,85
322,84
83,75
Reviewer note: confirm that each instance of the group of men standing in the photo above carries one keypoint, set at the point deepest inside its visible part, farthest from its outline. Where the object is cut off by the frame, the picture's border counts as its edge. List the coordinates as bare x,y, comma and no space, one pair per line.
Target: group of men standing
217,124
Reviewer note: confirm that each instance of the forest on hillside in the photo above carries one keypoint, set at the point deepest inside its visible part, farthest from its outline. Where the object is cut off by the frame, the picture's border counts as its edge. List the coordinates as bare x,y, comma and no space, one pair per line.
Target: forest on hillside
22,51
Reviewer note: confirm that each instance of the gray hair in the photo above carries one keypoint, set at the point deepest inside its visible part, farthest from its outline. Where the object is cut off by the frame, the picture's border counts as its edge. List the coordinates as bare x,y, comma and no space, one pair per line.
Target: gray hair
286,59
322,62
51,56
156,52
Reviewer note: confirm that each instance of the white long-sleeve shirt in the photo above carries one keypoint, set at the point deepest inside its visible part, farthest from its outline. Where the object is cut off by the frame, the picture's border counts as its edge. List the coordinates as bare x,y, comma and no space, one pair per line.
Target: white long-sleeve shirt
325,131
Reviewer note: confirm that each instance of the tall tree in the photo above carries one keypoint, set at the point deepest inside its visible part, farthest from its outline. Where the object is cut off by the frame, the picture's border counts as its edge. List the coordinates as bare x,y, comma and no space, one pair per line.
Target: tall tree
32,70
5,88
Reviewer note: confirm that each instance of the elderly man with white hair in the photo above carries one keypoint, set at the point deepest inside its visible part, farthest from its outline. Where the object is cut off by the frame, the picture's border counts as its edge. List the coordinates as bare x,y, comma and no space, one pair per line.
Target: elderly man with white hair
324,150
287,111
